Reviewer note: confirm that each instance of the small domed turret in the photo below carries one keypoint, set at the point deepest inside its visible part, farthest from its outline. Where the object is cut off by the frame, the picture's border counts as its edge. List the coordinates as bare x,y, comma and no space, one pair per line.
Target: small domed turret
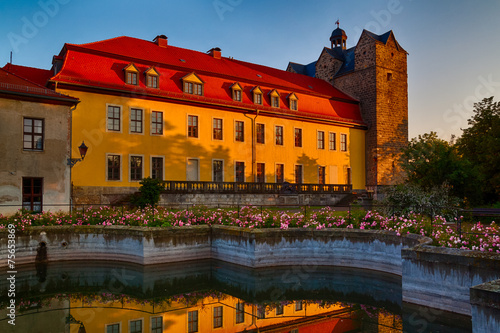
338,37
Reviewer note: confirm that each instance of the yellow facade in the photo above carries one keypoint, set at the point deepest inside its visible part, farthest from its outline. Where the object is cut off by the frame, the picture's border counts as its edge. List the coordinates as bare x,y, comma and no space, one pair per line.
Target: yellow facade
97,316
178,150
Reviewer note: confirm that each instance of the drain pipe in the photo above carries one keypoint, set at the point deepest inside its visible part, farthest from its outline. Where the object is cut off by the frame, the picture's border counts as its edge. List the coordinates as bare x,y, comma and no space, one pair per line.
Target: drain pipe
254,153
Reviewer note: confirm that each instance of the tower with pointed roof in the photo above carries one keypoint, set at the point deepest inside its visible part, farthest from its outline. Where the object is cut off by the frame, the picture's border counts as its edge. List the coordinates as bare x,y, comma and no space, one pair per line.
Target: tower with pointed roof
374,72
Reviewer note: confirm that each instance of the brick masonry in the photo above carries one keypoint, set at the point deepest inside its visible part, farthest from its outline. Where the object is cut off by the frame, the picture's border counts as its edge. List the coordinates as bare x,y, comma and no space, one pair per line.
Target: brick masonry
380,82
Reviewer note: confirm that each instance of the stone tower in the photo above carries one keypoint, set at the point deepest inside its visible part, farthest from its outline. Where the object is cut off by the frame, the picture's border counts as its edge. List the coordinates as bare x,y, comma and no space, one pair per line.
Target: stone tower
374,72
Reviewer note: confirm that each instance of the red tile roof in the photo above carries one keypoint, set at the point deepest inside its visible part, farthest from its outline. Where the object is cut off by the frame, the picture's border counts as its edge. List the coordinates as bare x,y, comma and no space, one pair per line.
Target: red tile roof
14,85
100,65
35,75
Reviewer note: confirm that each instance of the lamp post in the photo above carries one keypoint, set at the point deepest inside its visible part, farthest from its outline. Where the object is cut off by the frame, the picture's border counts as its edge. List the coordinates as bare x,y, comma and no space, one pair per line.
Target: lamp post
83,151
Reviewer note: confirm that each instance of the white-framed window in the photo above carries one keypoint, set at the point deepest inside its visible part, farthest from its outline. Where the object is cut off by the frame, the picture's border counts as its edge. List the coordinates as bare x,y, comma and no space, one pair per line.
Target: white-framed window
192,84
293,102
239,131
321,140
113,167
299,173
343,142
257,95
279,172
113,328
278,135
298,137
114,118
239,171
217,129
261,173
131,74
236,91
152,78
321,174
136,167
157,324
135,326
260,133
218,319
157,167
332,141
136,120
192,169
274,97
157,122
192,321
217,170
192,126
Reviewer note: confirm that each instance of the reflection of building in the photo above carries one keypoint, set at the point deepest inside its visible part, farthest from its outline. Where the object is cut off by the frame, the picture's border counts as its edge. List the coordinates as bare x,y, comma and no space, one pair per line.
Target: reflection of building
213,314
34,132
152,109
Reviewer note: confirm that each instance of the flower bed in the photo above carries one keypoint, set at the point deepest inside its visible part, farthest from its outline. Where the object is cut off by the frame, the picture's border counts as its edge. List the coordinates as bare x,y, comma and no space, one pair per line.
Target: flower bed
444,233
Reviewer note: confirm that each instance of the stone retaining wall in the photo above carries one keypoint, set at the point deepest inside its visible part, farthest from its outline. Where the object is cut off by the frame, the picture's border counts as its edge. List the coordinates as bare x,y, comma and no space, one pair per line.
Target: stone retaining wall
435,277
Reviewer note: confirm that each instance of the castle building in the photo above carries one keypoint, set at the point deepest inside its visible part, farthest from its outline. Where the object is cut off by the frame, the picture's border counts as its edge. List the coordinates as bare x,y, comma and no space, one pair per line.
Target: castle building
375,73
150,109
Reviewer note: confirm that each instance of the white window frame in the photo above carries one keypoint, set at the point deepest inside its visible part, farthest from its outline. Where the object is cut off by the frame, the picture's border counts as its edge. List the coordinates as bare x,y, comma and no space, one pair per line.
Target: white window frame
317,139
130,169
136,319
346,143
213,139
244,170
329,147
121,118
282,135
197,171
275,175
187,127
110,324
130,120
301,137
151,165
212,168
234,129
106,168
302,175
151,323
162,123
259,143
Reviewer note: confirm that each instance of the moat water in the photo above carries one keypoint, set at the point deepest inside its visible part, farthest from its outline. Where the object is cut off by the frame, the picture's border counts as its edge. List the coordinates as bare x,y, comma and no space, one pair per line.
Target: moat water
210,296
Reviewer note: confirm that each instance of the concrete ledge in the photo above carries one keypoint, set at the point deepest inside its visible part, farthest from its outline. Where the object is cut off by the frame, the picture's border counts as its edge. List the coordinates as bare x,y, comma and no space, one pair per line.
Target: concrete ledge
485,301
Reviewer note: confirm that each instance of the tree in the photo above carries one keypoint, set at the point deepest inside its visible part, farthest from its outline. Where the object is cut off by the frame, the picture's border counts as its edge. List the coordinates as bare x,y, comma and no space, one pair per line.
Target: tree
480,144
149,192
430,162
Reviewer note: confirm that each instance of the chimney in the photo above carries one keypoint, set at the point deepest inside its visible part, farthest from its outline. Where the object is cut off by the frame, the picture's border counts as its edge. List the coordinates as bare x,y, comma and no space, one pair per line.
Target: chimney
161,40
215,52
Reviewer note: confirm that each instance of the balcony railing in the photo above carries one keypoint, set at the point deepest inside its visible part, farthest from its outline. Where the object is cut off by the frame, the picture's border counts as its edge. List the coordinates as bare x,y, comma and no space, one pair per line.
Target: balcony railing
249,188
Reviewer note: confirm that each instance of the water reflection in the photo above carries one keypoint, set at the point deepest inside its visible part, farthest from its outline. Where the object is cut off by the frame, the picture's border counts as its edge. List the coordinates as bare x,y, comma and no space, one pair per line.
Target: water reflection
203,296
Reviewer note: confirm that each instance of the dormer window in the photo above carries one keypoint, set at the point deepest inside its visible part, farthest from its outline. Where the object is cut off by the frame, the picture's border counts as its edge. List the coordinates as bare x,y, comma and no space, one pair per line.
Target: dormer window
293,101
192,84
275,98
152,77
131,74
257,96
236,92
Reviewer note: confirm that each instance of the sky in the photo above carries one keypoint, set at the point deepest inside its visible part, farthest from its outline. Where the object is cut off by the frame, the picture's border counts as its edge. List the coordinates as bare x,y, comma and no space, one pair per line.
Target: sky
453,45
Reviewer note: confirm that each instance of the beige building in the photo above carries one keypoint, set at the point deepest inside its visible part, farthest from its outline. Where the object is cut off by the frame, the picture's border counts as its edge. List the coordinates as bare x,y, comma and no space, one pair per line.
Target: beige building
34,145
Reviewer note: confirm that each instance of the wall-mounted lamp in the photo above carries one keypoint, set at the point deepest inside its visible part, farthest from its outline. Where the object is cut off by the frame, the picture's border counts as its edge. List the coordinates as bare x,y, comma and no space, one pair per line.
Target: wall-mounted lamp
83,151
71,320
